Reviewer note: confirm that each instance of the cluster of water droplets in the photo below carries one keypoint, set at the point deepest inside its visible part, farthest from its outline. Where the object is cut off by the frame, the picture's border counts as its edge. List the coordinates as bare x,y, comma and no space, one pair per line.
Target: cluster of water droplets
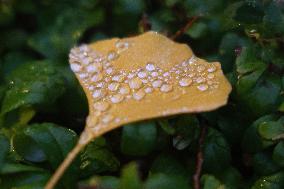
110,86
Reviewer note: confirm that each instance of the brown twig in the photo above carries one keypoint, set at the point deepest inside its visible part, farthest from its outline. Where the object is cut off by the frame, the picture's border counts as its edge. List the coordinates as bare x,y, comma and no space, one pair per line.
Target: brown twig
199,158
185,28
145,24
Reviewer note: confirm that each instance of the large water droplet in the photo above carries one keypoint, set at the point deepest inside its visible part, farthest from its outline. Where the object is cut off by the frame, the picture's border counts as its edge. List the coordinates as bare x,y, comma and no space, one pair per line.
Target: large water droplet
184,82
139,95
202,87
166,88
157,83
101,106
113,86
112,55
150,67
116,98
75,67
135,83
124,89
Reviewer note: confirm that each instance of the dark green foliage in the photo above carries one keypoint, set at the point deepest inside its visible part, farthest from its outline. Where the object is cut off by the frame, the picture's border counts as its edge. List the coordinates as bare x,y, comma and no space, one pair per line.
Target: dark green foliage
43,108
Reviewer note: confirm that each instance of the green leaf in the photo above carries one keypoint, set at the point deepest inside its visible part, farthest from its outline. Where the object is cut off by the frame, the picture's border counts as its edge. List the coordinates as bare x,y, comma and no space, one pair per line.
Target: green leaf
163,181
273,20
197,30
97,158
55,142
210,182
250,13
263,164
103,182
35,83
275,181
278,154
4,149
187,130
271,130
138,139
130,178
56,40
216,151
252,142
168,165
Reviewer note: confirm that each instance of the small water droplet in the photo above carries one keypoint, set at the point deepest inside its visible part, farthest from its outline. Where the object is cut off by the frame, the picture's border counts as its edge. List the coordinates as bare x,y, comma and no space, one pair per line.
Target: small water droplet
101,106
148,90
121,45
83,75
210,76
200,80
113,86
118,78
107,118
124,89
200,68
116,98
99,93
202,87
97,77
87,60
211,69
157,83
150,67
142,74
139,95
166,88
184,82
75,67
112,55
109,71
154,74
94,68
135,83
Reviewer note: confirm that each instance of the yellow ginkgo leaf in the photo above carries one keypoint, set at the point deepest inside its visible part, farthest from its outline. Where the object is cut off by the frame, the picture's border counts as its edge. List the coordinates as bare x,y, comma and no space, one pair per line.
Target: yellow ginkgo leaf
138,78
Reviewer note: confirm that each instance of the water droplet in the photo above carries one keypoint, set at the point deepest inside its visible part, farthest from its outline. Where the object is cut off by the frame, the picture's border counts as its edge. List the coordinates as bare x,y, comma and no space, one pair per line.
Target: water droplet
157,83
116,98
202,87
150,67
113,86
97,77
87,60
184,82
200,68
101,106
135,83
94,68
200,80
148,90
142,74
154,74
83,75
139,95
211,69
121,45
124,90
118,78
99,93
166,88
191,60
210,76
109,71
166,74
107,118
112,55
75,67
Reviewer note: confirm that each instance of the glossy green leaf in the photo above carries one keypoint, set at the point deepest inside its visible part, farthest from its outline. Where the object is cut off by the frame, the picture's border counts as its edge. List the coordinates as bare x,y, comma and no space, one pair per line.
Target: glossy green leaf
138,139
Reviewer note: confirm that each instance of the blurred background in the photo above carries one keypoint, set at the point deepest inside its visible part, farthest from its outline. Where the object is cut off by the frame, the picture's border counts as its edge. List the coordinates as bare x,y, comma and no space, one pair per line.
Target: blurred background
38,92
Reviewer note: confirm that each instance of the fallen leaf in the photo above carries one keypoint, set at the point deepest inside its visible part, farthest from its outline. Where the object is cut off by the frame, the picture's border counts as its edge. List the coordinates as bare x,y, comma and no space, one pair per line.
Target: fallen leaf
143,77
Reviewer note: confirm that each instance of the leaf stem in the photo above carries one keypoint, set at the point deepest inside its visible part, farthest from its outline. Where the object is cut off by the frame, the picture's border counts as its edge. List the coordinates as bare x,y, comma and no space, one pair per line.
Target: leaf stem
185,28
199,158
